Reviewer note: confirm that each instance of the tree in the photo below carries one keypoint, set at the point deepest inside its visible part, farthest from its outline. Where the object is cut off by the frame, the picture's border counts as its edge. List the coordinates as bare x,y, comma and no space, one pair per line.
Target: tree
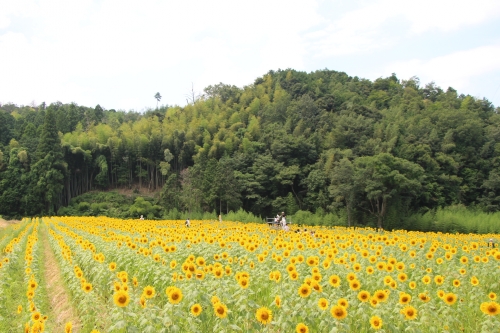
49,139
382,177
6,127
11,186
158,98
343,187
227,186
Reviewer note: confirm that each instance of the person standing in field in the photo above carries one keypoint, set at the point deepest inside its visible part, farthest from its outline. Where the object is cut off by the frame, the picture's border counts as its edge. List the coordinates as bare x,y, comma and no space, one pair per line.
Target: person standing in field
187,223
141,218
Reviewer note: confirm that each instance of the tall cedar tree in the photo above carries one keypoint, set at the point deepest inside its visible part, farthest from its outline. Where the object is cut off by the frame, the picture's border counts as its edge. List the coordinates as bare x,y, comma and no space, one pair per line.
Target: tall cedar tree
49,139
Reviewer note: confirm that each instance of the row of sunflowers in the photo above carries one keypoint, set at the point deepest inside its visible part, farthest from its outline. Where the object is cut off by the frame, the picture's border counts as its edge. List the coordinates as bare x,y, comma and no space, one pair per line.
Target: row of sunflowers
161,276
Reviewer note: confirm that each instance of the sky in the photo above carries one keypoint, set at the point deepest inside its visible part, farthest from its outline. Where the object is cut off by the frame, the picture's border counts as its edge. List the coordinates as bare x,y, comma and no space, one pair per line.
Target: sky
120,53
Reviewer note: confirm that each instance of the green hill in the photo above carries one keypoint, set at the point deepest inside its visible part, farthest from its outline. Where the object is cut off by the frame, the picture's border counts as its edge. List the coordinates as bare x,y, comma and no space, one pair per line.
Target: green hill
365,152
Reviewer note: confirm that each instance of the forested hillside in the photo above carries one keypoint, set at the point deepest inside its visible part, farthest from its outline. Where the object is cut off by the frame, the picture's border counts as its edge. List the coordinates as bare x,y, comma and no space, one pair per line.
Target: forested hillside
320,142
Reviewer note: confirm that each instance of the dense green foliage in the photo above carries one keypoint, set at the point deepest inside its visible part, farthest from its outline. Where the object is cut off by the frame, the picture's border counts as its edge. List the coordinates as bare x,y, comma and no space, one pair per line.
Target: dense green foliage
358,151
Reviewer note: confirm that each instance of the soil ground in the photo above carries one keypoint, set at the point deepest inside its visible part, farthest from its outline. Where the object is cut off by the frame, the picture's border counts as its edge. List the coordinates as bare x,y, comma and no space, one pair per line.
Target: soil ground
59,299
5,223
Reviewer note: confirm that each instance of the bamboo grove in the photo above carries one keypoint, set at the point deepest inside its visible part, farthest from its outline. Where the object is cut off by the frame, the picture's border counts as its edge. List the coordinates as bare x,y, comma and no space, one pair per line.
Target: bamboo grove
324,142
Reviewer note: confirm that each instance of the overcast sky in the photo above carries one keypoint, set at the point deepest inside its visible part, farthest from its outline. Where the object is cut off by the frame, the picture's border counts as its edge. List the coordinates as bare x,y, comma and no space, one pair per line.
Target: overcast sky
119,53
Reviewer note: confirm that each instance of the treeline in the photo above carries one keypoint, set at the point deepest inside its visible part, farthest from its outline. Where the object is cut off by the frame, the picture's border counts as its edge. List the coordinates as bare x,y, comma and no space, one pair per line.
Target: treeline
324,142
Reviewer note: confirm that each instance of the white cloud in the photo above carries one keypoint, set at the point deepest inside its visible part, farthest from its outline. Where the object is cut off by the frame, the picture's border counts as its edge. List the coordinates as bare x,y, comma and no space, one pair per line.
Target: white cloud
376,25
71,51
76,41
456,69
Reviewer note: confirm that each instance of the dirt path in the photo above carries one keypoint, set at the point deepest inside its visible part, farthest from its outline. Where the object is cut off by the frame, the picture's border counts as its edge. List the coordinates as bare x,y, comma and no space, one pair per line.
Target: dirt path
62,308
4,223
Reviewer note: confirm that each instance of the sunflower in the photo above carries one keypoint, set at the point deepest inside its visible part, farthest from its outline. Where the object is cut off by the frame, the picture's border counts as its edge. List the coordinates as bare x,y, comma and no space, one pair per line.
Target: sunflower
343,302
200,261
490,308
175,296
200,275
149,292
121,298
301,328
142,301
68,328
456,283
354,285
474,281
264,315
316,286
404,298
196,310
412,285
424,297
37,327
218,272
19,309
450,298
36,316
304,290
277,301
323,303
364,296
214,300
387,280
334,281
376,322
439,279
409,312
243,282
402,277
87,287
32,285
220,310
492,296
380,295
338,312
351,276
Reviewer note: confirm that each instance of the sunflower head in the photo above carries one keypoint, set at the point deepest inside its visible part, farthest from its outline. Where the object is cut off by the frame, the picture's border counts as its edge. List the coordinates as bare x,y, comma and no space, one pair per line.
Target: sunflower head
338,312
264,315
376,322
149,292
304,290
220,310
364,296
450,298
323,303
490,308
409,312
277,301
121,298
301,328
196,310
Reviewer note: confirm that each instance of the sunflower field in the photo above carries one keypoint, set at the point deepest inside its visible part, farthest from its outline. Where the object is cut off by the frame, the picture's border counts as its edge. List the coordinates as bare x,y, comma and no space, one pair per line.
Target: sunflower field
161,276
